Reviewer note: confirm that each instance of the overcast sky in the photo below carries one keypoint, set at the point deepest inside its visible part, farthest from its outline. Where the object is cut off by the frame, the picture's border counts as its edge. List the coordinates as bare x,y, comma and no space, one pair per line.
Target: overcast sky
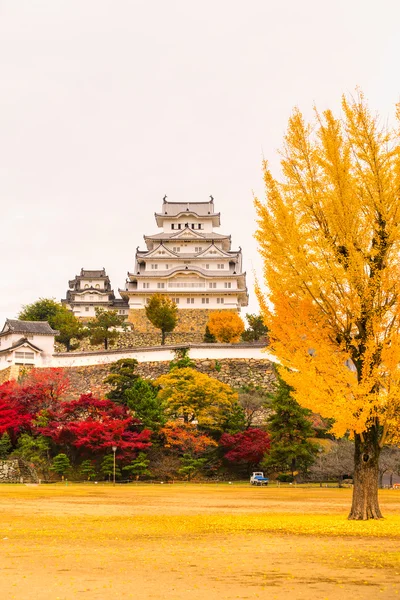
107,105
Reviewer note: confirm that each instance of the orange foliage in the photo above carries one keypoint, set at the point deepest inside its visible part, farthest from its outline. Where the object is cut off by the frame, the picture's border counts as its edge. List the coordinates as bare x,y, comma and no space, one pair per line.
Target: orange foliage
226,326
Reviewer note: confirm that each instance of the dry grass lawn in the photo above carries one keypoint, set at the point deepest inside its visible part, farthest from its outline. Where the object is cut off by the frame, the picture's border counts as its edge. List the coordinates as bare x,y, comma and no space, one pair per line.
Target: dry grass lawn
211,542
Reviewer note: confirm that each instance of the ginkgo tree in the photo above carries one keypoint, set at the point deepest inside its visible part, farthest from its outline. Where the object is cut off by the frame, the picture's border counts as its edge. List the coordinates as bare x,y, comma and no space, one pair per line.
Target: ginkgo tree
329,235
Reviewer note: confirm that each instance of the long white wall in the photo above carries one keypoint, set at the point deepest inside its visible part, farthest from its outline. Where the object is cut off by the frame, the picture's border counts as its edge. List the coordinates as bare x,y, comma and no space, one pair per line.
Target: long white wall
160,353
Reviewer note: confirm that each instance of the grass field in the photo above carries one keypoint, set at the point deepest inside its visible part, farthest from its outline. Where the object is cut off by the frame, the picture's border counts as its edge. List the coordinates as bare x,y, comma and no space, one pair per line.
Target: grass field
194,541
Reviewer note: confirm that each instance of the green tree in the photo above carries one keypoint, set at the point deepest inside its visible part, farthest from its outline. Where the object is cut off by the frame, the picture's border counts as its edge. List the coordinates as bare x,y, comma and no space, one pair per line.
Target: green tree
58,317
162,312
209,338
61,464
35,450
121,378
102,329
142,398
88,469
256,328
190,465
5,446
139,466
107,467
290,431
182,359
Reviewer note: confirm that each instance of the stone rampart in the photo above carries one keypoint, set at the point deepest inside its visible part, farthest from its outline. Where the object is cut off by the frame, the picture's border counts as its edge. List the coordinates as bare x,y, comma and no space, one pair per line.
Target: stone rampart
17,471
191,322
235,372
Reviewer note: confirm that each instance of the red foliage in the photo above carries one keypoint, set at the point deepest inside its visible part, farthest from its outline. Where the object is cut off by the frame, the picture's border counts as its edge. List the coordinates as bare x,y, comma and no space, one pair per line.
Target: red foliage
20,403
186,438
42,389
246,446
13,416
95,425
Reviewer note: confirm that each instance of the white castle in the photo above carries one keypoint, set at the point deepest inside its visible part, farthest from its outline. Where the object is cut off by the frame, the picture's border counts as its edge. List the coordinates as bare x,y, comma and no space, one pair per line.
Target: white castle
188,261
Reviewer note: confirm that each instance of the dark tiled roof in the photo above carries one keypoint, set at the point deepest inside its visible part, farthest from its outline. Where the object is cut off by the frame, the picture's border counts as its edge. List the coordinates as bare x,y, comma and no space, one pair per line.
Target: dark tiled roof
19,343
120,303
200,208
86,273
35,327
175,234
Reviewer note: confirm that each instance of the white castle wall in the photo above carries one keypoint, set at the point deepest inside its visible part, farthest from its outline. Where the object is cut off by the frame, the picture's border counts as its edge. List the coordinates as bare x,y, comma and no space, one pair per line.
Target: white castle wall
162,353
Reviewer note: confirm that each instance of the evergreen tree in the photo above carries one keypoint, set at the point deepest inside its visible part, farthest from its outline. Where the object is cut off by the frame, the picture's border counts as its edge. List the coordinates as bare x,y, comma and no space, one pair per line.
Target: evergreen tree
209,338
121,378
290,431
142,398
87,469
5,446
61,464
107,467
103,329
190,465
139,466
256,328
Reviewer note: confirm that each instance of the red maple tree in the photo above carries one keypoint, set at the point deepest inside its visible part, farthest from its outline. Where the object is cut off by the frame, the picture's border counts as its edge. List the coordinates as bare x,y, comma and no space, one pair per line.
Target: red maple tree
247,446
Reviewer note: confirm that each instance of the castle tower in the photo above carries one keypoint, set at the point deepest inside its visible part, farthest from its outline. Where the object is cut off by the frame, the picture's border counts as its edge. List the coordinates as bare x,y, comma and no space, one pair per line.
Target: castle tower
191,263
89,290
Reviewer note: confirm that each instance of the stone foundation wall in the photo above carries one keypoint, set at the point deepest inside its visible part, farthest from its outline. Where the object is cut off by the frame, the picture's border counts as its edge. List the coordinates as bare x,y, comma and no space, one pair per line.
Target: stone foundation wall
16,471
235,372
190,321
11,372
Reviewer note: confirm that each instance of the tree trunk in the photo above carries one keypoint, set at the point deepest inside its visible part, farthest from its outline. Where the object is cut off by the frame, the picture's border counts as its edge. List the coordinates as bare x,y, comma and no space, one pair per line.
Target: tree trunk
162,337
366,473
105,343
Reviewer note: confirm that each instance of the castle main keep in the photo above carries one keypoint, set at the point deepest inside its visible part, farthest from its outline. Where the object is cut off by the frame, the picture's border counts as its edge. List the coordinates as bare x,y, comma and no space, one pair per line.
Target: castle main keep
191,263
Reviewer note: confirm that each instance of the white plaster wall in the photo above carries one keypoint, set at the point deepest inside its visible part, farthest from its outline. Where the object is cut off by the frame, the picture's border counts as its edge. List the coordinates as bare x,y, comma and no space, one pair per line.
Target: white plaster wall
215,352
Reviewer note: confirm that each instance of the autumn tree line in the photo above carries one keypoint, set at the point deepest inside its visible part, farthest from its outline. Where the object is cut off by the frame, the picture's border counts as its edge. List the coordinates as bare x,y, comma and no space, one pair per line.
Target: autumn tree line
183,425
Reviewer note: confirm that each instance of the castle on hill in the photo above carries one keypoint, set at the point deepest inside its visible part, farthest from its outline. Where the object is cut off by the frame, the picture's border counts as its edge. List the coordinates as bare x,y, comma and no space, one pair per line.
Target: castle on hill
188,261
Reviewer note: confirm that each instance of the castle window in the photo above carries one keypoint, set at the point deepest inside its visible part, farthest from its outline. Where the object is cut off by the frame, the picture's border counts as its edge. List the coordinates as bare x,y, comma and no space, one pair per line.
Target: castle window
153,266
97,286
220,300
146,285
173,226
190,300
86,286
199,226
166,266
198,249
86,308
228,284
179,226
207,266
176,300
161,285
220,266
192,225
176,249
205,300
212,284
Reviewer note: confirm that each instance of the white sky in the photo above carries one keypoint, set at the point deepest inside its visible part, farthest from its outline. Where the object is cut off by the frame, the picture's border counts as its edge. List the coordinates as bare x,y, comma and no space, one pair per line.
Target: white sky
107,105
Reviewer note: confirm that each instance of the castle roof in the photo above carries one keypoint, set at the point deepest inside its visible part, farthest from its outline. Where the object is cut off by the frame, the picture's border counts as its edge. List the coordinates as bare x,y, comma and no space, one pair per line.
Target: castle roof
21,342
172,209
85,273
28,327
